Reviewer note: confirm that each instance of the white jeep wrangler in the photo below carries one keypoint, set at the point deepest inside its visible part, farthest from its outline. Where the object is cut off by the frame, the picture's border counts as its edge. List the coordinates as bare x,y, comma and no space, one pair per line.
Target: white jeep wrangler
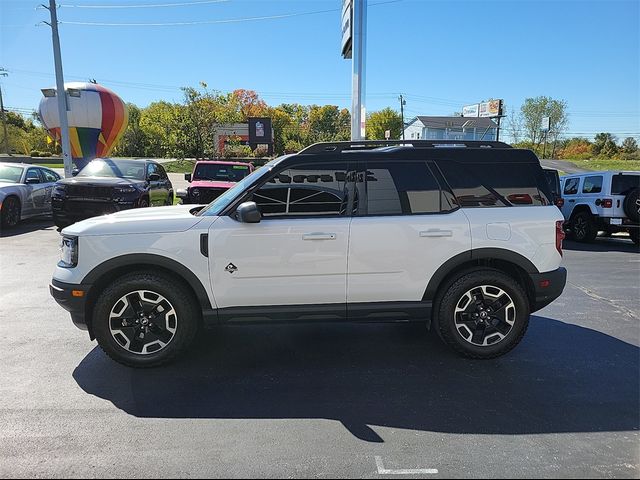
462,236
601,201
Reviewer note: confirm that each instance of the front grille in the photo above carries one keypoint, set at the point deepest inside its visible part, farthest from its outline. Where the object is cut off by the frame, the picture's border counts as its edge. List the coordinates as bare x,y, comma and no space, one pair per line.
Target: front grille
208,195
88,191
88,209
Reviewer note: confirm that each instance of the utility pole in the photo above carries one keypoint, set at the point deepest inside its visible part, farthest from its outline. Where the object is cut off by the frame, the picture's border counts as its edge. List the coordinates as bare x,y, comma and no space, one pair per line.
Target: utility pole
358,113
5,141
63,106
403,102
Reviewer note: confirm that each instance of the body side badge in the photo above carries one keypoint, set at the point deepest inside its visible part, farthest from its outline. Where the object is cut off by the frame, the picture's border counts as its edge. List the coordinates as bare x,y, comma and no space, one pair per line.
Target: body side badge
231,268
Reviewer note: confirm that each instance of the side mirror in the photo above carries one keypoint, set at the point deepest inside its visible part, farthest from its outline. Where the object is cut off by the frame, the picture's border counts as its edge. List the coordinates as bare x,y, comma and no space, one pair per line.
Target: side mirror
31,181
75,172
187,177
248,212
154,177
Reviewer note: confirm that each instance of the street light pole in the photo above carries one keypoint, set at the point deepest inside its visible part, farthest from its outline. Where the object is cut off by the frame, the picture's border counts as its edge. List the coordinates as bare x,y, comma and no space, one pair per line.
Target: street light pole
402,104
5,141
359,42
63,106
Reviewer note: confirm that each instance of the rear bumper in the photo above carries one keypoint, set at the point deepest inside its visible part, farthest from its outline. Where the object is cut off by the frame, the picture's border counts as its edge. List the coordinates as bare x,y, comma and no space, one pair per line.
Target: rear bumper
547,287
68,297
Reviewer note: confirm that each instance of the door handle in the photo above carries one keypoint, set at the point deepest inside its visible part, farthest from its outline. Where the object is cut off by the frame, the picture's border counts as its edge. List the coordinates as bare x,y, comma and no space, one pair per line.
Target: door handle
571,201
319,236
436,233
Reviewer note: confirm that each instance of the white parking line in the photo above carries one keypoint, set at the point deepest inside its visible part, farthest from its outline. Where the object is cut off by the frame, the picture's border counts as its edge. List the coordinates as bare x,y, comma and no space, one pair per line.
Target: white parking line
404,471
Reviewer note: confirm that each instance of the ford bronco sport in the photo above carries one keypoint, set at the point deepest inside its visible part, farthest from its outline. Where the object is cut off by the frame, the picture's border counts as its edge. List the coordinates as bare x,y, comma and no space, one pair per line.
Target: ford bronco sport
462,236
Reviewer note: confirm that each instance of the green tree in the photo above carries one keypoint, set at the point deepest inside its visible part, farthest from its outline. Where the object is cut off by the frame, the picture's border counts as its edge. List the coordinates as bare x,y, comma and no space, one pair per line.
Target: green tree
629,145
533,110
381,121
133,142
604,145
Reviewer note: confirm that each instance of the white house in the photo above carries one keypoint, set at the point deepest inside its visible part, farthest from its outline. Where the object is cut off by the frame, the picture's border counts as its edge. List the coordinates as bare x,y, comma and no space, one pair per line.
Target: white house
451,128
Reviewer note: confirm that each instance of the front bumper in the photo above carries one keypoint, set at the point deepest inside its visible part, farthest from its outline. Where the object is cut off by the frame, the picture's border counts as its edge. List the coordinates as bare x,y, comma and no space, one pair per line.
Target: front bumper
73,298
547,287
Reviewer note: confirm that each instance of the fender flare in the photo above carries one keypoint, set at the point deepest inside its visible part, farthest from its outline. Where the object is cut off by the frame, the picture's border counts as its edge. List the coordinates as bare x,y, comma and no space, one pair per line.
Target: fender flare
152,260
471,255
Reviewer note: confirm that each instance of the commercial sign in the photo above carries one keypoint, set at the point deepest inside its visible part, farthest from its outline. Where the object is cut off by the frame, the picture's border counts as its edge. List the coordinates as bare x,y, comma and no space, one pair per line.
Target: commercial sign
471,110
347,28
546,124
490,109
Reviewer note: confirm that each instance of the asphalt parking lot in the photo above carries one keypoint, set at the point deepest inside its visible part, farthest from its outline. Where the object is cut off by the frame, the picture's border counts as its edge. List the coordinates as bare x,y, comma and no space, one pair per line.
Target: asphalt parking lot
325,401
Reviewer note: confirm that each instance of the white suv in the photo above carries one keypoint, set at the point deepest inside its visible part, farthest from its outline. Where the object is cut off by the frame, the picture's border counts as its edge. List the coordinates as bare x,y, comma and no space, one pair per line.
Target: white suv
462,236
601,201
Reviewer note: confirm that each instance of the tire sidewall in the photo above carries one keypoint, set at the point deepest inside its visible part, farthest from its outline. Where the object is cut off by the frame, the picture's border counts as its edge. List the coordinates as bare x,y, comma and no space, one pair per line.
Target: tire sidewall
447,304
590,231
11,202
180,298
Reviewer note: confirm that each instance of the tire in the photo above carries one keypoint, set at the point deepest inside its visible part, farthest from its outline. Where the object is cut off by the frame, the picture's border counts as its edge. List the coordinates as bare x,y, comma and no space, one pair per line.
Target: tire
631,205
143,203
169,201
635,236
117,322
58,222
10,214
583,228
483,314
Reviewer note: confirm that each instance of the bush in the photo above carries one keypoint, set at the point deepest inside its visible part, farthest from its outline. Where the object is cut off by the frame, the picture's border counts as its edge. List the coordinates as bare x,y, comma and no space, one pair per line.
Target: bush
35,153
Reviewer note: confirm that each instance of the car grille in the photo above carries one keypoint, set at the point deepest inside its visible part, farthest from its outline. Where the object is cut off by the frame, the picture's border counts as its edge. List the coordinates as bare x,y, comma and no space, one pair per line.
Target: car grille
208,195
87,191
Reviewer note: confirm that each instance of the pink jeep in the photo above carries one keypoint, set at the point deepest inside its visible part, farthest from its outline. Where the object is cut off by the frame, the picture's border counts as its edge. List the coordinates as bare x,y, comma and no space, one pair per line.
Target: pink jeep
210,179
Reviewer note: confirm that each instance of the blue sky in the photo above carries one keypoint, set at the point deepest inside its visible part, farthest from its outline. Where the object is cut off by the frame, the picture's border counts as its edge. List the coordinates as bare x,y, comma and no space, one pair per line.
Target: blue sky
439,54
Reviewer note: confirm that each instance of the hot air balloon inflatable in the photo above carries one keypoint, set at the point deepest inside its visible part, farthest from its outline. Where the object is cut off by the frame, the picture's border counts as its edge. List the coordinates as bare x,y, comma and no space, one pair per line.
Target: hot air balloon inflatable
97,119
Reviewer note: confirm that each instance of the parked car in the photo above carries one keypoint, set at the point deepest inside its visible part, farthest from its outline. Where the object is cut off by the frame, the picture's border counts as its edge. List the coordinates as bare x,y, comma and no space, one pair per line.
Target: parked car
463,238
25,191
210,179
601,201
108,185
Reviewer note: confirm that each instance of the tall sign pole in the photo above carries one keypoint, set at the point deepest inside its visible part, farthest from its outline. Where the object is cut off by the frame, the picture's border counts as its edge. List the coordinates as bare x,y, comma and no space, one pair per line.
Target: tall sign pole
63,106
5,140
402,104
359,44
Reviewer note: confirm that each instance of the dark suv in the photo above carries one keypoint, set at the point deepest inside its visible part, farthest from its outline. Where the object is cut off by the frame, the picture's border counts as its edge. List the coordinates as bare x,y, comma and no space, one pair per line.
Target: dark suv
108,185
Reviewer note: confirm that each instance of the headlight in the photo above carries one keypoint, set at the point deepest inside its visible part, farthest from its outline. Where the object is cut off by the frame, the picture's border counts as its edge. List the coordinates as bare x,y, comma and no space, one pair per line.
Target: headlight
125,189
68,252
59,189
195,192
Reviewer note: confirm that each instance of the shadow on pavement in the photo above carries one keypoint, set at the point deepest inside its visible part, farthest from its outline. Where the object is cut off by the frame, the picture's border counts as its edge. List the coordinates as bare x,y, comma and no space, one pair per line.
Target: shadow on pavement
603,244
28,226
562,378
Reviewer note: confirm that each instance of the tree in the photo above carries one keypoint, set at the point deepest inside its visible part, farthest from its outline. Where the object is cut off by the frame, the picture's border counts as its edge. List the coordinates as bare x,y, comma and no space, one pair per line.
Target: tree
629,145
381,121
250,104
533,110
133,141
605,145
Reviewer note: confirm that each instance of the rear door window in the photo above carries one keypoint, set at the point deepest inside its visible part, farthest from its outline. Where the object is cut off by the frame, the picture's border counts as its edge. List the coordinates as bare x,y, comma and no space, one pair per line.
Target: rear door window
403,188
592,184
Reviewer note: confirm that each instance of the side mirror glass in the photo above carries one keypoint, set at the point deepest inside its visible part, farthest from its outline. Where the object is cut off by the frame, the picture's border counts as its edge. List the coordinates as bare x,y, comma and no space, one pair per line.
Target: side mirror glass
248,212
187,177
31,181
154,177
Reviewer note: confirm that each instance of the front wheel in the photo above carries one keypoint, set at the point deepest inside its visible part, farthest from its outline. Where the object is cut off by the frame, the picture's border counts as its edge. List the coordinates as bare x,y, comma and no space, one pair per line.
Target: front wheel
10,213
484,314
145,320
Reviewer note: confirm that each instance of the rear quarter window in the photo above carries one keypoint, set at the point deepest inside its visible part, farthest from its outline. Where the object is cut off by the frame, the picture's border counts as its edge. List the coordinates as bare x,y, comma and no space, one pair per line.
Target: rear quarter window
623,184
497,184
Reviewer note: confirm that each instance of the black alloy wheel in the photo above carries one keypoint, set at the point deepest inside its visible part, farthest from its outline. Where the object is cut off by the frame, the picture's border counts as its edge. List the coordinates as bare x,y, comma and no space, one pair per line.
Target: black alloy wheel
10,212
583,228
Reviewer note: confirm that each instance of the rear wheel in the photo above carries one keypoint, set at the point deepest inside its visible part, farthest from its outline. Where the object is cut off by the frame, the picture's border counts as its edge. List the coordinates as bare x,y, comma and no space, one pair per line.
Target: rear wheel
583,227
483,314
145,319
10,214
635,236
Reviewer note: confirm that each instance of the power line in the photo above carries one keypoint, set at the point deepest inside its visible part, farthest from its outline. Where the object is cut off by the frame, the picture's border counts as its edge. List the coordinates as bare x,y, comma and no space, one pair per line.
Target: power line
217,22
156,5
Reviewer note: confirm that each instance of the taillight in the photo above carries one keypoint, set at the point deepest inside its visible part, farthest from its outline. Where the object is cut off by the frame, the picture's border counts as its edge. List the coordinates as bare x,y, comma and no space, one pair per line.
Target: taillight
607,203
559,235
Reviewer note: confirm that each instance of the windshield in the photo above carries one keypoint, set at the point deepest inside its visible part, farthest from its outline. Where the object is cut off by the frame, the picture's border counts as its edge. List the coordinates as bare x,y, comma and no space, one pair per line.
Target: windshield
114,168
224,173
10,174
220,203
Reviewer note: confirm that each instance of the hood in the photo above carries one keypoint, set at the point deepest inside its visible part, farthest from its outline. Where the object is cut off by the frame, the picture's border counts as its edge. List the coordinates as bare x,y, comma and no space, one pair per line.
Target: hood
211,184
176,218
100,181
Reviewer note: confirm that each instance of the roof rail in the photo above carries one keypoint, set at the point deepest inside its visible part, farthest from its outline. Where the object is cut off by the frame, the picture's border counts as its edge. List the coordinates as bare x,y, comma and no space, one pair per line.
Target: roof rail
337,147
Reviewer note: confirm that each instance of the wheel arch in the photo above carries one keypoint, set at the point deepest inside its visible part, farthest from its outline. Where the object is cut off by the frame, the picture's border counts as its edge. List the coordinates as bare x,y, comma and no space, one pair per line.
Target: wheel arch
509,262
108,271
583,207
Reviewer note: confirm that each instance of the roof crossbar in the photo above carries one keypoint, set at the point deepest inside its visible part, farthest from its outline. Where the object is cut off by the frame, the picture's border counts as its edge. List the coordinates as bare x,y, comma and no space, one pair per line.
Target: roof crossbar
338,147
